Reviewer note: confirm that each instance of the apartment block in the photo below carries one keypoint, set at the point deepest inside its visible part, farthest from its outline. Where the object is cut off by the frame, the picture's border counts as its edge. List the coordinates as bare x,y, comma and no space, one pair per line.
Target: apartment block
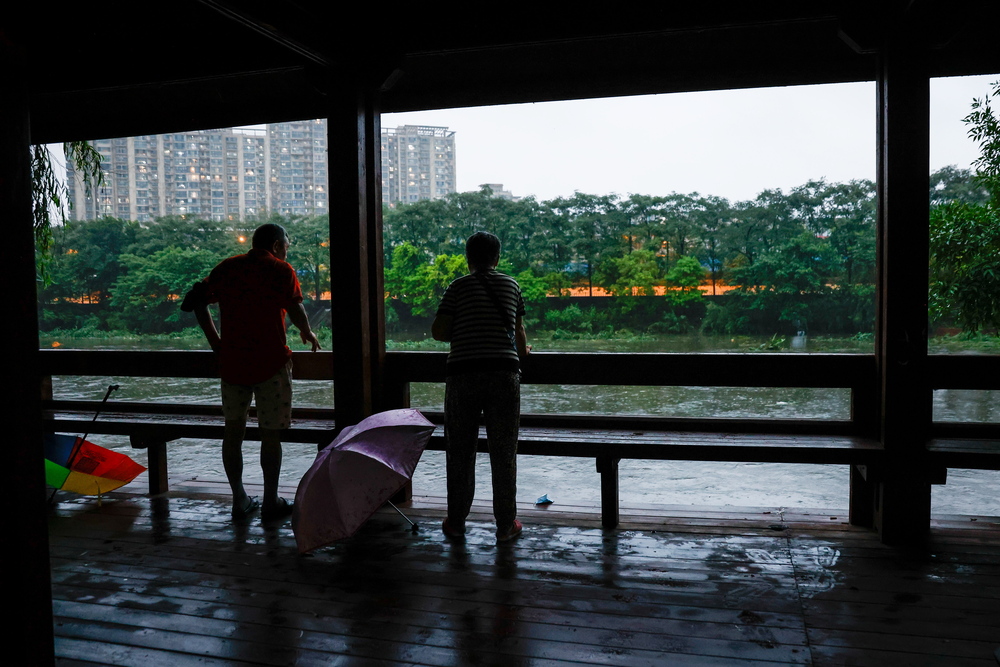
418,162
222,174
232,173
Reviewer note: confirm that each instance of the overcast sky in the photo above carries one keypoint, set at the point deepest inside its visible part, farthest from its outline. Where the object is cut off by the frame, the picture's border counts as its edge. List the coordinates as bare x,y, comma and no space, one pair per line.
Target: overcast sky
733,144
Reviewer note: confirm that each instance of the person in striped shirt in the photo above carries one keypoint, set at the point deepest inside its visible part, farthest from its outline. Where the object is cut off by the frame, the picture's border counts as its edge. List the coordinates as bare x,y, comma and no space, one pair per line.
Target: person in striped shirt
481,315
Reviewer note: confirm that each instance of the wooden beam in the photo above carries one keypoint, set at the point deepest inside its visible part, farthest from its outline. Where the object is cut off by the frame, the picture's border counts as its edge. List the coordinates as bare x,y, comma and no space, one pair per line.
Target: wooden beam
903,85
243,16
28,547
671,369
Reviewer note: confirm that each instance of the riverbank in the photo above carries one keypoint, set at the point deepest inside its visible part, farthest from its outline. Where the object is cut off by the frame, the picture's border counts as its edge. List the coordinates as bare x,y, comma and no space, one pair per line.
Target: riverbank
552,341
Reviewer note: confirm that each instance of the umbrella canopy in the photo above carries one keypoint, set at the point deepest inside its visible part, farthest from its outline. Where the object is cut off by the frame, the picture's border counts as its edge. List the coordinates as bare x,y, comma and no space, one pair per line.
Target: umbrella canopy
77,465
355,474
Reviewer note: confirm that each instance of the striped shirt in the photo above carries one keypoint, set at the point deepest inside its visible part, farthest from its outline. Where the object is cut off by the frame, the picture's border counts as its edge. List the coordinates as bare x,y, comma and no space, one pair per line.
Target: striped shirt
479,339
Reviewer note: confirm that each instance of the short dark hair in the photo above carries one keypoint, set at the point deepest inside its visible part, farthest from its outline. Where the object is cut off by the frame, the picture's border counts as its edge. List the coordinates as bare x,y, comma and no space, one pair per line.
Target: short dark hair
265,236
483,249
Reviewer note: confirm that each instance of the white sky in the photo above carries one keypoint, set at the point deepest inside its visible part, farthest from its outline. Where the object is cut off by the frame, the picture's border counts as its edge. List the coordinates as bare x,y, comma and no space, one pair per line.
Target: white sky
733,143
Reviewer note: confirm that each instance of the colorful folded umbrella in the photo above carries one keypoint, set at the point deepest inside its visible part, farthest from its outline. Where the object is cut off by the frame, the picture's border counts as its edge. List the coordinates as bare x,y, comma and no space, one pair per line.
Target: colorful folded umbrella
77,465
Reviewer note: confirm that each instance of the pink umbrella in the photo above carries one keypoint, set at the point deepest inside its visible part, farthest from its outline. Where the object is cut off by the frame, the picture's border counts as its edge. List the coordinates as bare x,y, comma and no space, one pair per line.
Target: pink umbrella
356,474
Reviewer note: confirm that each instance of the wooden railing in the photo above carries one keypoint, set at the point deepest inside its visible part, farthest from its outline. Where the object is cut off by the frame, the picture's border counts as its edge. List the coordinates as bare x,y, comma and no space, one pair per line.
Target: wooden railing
607,438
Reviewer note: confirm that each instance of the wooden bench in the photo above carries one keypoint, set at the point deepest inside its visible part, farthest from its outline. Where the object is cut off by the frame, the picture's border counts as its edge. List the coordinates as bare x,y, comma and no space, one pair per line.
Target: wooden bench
973,445
606,439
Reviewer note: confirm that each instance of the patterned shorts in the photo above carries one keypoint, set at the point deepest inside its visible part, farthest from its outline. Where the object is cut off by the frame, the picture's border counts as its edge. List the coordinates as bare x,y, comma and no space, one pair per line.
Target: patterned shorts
273,400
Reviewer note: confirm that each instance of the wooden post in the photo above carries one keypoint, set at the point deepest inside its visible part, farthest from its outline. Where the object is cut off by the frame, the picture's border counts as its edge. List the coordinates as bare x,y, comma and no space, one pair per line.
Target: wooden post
28,546
864,486
902,512
356,255
608,467
865,409
156,462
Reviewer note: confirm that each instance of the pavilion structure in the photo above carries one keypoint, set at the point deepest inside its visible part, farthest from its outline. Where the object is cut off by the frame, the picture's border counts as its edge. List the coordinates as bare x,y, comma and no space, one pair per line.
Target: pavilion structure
119,69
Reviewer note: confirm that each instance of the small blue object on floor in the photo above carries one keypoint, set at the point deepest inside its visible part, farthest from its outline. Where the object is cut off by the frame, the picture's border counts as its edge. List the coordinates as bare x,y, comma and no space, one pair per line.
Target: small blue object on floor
544,500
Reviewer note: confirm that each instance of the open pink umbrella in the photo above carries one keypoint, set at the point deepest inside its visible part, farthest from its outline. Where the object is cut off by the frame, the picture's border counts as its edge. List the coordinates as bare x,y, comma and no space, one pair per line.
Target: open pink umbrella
356,474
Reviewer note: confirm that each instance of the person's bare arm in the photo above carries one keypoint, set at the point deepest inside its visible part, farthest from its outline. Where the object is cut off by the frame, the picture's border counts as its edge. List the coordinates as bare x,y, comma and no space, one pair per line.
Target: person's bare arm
441,329
207,324
521,338
297,314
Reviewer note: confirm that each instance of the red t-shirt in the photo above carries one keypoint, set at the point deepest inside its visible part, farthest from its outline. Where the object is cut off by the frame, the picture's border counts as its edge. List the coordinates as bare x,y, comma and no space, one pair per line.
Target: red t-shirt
253,292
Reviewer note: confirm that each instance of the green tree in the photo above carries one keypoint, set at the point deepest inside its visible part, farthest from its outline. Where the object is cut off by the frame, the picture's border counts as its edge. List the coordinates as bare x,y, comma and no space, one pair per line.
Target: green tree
845,214
176,231
85,262
781,281
965,237
953,184
421,223
401,271
759,226
49,194
309,253
633,274
965,265
712,216
420,284
685,277
534,289
595,229
146,297
984,127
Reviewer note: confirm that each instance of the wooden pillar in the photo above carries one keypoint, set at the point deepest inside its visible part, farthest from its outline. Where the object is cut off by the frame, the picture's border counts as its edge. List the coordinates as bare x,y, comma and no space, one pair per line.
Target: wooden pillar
902,512
610,512
27,543
356,255
156,462
865,410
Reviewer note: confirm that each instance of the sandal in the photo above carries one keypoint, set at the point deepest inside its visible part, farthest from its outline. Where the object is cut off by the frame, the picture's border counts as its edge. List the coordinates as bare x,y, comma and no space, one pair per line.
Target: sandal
280,510
249,507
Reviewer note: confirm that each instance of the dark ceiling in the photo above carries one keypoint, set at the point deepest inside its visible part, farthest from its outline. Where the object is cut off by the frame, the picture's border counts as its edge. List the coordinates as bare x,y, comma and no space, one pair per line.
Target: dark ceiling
120,68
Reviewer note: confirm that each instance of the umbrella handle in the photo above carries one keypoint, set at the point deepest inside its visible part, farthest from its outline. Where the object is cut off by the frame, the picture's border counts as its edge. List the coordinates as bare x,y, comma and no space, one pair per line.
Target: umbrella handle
111,388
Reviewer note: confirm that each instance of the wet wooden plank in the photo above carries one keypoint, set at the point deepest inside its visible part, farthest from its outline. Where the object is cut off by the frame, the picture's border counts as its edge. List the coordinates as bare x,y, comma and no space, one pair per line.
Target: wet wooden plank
172,580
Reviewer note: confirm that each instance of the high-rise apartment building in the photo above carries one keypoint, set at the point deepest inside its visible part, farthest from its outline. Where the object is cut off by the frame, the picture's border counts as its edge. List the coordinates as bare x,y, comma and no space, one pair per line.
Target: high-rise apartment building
297,172
229,174
213,174
418,162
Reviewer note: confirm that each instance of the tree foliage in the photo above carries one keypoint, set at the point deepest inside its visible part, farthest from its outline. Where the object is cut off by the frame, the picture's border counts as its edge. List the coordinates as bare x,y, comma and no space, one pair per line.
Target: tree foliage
965,236
807,255
965,265
49,194
984,127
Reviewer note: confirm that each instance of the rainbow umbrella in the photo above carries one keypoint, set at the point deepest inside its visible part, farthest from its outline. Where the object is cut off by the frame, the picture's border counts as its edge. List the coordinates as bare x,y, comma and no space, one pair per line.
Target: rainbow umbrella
77,465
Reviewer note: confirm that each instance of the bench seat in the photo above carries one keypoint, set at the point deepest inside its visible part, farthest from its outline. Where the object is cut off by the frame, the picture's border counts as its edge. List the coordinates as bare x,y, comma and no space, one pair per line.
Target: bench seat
145,421
688,445
606,440
977,453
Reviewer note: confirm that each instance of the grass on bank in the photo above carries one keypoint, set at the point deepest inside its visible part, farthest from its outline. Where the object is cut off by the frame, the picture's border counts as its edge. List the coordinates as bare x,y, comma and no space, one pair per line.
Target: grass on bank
621,340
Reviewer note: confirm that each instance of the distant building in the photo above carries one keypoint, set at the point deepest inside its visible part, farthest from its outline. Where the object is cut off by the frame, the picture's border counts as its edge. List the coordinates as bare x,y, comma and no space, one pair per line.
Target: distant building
298,180
229,174
212,174
418,162
498,191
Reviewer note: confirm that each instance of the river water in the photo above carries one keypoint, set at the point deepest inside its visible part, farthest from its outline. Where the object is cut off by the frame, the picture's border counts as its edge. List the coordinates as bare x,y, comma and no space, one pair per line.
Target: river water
570,480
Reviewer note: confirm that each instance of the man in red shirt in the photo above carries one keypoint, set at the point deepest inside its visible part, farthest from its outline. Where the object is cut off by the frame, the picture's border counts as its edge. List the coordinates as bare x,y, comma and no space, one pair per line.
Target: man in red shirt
254,292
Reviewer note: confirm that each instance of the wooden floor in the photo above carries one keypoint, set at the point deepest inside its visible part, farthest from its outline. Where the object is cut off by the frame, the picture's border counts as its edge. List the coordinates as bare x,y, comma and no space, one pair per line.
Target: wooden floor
173,581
